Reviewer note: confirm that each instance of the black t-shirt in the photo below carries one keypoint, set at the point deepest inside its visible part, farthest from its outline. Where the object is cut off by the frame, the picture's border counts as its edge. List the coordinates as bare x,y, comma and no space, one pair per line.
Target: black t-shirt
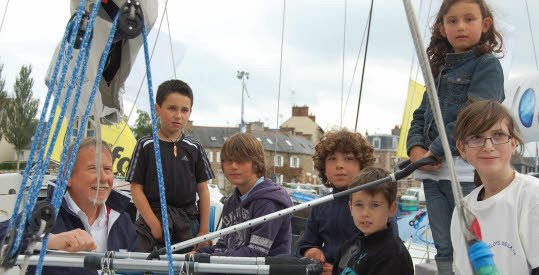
181,174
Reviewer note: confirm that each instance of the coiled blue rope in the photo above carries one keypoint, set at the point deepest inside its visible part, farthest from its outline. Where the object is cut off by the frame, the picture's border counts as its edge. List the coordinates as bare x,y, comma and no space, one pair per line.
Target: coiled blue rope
61,187
157,151
29,206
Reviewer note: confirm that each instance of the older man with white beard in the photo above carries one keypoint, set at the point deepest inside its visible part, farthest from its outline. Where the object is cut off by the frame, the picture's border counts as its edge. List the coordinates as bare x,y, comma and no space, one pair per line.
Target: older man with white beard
92,217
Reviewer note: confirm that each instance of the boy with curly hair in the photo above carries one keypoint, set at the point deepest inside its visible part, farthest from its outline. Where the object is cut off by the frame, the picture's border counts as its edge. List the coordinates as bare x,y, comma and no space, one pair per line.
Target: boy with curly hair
338,157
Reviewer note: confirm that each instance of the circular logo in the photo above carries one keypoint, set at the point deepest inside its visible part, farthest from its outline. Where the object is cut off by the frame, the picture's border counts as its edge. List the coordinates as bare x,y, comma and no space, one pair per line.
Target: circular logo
526,107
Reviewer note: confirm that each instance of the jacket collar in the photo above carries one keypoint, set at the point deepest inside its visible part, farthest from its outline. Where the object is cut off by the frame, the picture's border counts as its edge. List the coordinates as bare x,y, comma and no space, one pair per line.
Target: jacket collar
382,234
456,58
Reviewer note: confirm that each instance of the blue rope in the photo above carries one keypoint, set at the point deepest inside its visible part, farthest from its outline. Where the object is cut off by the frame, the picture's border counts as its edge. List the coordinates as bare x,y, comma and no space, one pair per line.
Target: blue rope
35,187
60,188
39,127
157,155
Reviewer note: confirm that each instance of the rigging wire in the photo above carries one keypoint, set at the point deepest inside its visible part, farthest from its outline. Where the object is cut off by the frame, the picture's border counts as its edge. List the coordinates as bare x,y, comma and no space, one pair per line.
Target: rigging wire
364,65
343,59
531,33
355,67
143,78
4,17
170,41
279,93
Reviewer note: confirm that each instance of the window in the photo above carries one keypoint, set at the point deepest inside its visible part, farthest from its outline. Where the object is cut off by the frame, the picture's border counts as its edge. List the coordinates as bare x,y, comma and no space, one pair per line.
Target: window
294,162
224,138
376,143
278,161
259,139
210,155
213,138
269,141
91,133
218,156
74,132
288,142
395,143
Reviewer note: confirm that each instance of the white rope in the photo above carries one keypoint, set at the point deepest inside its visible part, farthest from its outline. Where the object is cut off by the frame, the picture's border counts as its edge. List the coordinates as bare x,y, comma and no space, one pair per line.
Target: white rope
435,104
98,148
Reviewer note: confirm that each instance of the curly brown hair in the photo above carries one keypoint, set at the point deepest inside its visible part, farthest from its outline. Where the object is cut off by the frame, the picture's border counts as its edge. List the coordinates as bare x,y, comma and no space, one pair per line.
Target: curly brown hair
345,142
439,47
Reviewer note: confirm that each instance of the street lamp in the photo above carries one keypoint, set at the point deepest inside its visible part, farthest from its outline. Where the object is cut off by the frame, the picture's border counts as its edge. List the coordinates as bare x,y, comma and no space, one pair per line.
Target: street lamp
242,75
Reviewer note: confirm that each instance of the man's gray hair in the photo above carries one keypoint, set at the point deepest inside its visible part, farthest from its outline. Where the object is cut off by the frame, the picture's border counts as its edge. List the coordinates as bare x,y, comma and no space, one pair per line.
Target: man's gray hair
87,142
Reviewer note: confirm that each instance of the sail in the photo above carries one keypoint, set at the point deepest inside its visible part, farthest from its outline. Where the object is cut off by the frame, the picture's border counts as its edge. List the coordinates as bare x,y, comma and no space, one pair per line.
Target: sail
124,143
415,95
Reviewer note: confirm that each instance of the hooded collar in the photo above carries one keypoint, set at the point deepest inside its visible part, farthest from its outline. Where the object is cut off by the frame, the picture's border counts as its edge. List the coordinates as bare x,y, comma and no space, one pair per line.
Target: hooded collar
265,190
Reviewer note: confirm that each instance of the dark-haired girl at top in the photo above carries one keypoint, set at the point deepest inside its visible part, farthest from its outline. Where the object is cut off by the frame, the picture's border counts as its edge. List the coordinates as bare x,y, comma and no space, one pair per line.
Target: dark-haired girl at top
463,65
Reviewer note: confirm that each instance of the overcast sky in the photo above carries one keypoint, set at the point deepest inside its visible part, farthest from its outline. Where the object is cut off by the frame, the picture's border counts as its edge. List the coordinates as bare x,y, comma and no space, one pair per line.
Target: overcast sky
214,39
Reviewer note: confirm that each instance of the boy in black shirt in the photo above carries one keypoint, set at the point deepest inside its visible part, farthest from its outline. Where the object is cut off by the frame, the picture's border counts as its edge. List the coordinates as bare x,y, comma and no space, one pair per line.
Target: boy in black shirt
375,250
186,170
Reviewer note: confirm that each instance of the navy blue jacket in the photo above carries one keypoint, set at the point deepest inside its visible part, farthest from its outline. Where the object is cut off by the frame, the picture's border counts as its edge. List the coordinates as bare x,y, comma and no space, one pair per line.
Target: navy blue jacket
464,76
271,238
122,234
329,226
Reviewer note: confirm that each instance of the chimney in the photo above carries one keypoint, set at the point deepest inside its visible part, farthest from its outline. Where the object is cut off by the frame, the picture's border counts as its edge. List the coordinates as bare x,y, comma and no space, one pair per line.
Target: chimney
300,111
255,126
312,117
396,131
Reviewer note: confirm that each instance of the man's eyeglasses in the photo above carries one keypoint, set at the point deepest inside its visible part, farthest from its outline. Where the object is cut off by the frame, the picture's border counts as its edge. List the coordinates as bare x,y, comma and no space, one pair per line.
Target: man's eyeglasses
476,141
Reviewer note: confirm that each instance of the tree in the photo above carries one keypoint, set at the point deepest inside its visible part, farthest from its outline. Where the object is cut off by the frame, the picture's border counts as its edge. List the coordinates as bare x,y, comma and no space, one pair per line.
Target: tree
18,123
3,96
143,125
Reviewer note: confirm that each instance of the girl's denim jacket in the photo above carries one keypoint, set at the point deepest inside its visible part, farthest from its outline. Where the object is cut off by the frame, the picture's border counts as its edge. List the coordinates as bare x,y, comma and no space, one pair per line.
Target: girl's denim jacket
464,76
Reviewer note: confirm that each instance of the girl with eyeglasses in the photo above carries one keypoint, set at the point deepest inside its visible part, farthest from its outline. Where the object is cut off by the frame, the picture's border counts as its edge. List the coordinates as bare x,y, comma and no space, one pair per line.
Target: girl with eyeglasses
505,203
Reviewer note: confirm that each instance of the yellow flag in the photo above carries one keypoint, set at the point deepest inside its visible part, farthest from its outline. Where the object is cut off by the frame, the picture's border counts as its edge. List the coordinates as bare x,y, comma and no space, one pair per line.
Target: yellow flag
415,95
121,152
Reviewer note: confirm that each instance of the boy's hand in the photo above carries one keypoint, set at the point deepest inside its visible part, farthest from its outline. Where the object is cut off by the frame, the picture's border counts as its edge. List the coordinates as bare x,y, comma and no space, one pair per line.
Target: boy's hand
157,232
328,269
315,253
199,245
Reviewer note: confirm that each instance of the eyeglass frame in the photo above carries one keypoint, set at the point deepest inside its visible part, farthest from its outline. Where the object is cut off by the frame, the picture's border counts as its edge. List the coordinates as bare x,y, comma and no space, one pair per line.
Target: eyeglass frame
467,142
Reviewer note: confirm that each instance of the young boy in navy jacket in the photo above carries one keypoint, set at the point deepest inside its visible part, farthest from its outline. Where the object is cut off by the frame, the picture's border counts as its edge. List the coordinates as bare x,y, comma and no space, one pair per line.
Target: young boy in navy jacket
242,161
375,250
